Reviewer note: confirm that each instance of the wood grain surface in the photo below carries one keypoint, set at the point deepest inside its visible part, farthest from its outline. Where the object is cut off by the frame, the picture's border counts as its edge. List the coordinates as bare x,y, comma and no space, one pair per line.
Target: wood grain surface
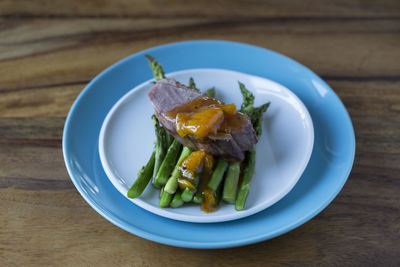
49,50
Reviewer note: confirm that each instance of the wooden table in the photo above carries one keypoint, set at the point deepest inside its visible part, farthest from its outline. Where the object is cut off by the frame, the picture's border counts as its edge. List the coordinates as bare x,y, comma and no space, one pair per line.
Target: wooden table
49,51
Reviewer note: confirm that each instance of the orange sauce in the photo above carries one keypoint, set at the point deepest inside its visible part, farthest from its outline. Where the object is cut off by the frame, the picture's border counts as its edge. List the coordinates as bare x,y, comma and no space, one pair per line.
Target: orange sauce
192,164
208,163
209,201
193,169
197,169
184,183
206,116
201,123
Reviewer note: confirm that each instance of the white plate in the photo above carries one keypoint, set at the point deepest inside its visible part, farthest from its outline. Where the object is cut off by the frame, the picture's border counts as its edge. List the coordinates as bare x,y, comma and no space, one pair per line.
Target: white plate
283,151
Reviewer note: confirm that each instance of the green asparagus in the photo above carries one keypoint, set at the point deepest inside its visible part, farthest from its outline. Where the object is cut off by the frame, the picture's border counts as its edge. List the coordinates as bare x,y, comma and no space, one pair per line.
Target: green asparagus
169,139
256,117
154,162
172,183
248,99
158,71
159,147
187,194
218,174
143,178
255,113
231,183
162,137
167,164
198,198
176,201
210,92
246,180
192,85
165,199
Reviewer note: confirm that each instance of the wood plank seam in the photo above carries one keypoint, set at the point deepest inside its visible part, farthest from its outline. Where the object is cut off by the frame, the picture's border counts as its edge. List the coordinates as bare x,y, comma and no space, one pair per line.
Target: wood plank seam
196,15
30,183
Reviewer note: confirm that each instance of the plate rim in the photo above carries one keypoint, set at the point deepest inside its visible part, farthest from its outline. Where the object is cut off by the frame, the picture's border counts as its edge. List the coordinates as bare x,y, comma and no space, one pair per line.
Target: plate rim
168,213
193,244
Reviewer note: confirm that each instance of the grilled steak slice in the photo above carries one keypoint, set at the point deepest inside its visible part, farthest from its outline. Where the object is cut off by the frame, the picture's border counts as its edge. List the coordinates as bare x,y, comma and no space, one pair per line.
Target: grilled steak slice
168,94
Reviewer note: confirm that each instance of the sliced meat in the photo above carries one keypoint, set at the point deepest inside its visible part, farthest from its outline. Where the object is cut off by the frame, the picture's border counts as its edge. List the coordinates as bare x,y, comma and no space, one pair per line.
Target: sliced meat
167,94
245,137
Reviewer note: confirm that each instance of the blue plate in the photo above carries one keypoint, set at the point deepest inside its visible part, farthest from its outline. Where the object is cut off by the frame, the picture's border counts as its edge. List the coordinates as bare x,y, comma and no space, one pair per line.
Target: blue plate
326,173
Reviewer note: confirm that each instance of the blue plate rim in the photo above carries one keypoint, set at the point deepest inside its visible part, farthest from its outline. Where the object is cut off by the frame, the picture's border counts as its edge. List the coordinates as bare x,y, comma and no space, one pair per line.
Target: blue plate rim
189,244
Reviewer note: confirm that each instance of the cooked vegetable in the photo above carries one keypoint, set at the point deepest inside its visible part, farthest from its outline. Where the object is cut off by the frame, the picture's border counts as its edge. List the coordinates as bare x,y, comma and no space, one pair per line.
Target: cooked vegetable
218,174
256,115
248,99
231,183
198,198
168,164
187,194
143,178
192,84
172,183
169,138
158,71
160,146
165,199
246,180
210,92
176,200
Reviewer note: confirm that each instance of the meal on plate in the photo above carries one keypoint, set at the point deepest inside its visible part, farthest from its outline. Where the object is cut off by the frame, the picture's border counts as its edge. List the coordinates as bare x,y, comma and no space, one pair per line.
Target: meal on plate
204,148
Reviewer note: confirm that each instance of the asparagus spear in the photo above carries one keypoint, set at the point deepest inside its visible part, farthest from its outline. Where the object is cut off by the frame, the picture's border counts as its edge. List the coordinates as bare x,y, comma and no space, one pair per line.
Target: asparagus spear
192,84
159,147
165,199
231,183
167,164
172,183
255,115
210,92
198,198
248,99
218,174
187,194
158,71
246,180
153,164
168,138
143,178
162,137
177,200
